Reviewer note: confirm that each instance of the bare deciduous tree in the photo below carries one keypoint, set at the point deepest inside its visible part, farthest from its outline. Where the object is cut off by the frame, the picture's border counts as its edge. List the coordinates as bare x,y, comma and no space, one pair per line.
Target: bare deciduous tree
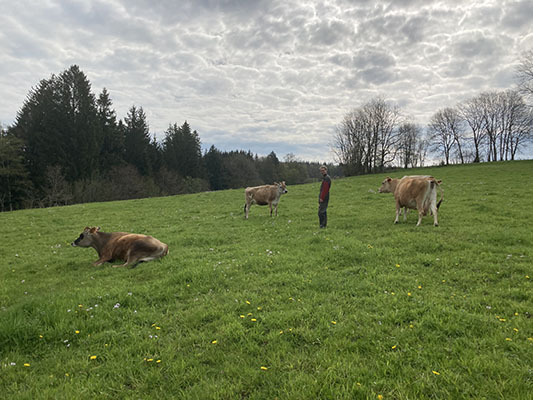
472,113
366,139
524,74
412,148
446,131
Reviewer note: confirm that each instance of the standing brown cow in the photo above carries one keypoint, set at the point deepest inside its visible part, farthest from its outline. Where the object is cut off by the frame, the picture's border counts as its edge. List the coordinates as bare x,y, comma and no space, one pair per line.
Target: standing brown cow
416,192
130,247
263,195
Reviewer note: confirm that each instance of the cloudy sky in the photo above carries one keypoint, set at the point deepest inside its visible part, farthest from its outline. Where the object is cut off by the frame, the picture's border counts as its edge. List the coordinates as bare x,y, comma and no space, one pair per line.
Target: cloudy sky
265,75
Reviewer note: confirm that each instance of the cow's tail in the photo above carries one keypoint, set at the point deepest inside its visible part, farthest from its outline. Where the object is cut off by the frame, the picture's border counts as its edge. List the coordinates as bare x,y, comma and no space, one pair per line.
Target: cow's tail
441,193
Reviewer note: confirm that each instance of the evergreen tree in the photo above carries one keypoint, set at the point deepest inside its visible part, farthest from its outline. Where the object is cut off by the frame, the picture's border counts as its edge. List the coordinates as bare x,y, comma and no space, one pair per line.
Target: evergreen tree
58,124
182,151
216,173
137,140
269,169
112,149
14,182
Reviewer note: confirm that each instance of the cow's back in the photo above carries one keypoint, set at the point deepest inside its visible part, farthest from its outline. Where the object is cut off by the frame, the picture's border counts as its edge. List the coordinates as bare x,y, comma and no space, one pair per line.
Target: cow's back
262,195
121,243
412,190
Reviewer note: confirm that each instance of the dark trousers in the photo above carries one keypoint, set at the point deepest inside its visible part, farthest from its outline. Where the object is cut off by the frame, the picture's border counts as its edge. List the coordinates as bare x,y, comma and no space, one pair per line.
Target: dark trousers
322,213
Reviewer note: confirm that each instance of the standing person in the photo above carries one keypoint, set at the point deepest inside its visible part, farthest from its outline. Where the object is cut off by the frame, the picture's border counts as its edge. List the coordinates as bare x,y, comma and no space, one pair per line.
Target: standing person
323,198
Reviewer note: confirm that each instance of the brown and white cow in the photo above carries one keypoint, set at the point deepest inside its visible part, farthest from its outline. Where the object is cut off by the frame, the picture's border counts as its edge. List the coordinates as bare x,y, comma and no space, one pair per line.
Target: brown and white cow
130,247
263,195
416,192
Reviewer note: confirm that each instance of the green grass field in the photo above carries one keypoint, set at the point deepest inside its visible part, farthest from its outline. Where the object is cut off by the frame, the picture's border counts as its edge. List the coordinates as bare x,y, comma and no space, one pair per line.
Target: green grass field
274,307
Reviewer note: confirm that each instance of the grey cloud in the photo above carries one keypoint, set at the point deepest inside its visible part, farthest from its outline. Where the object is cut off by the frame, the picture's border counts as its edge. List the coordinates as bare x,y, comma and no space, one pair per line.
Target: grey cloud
269,74
475,44
518,14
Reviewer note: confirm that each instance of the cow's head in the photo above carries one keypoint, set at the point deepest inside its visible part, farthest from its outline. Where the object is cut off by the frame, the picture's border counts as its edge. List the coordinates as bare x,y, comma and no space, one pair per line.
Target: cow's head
86,238
282,188
386,185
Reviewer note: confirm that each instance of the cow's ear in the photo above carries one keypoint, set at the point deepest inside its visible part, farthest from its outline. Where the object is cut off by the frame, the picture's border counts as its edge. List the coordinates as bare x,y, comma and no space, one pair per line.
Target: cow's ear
87,229
97,229
389,179
93,230
439,181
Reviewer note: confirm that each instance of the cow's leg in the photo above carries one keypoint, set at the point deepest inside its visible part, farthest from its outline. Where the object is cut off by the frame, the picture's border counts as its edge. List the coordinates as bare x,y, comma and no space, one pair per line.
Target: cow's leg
420,215
276,206
130,260
398,211
101,260
246,209
434,211
405,210
270,205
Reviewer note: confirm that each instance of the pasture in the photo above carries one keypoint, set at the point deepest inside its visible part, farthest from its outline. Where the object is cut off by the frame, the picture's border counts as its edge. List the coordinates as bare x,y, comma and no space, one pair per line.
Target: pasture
270,308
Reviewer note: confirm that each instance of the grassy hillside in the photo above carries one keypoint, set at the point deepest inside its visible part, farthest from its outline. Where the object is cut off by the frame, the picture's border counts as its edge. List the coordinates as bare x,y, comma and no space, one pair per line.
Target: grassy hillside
275,307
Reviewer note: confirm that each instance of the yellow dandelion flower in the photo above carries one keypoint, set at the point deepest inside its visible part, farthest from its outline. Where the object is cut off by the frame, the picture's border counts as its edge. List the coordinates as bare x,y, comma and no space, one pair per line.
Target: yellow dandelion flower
502,320
153,325
393,347
76,332
436,373
158,361
259,308
408,293
358,384
411,326
214,342
334,322
527,276
67,374
515,329
508,339
26,364
92,358
150,360
249,314
247,302
242,316
280,332
157,327
397,265
516,314
80,305
41,336
253,320
420,286
264,368
380,397
530,338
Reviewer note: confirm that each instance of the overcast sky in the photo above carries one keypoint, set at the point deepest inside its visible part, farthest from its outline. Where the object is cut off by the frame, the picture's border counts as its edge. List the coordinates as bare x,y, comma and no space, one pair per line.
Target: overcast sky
265,75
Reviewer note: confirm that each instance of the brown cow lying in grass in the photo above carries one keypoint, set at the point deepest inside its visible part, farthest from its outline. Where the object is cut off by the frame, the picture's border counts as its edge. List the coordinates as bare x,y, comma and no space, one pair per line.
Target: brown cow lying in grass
130,247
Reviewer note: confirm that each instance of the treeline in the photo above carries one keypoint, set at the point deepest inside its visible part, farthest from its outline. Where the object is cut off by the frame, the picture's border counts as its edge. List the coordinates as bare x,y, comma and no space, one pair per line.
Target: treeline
491,126
68,146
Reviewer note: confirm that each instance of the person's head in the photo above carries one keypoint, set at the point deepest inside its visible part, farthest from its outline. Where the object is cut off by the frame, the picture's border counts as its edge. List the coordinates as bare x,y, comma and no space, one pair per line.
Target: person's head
323,170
